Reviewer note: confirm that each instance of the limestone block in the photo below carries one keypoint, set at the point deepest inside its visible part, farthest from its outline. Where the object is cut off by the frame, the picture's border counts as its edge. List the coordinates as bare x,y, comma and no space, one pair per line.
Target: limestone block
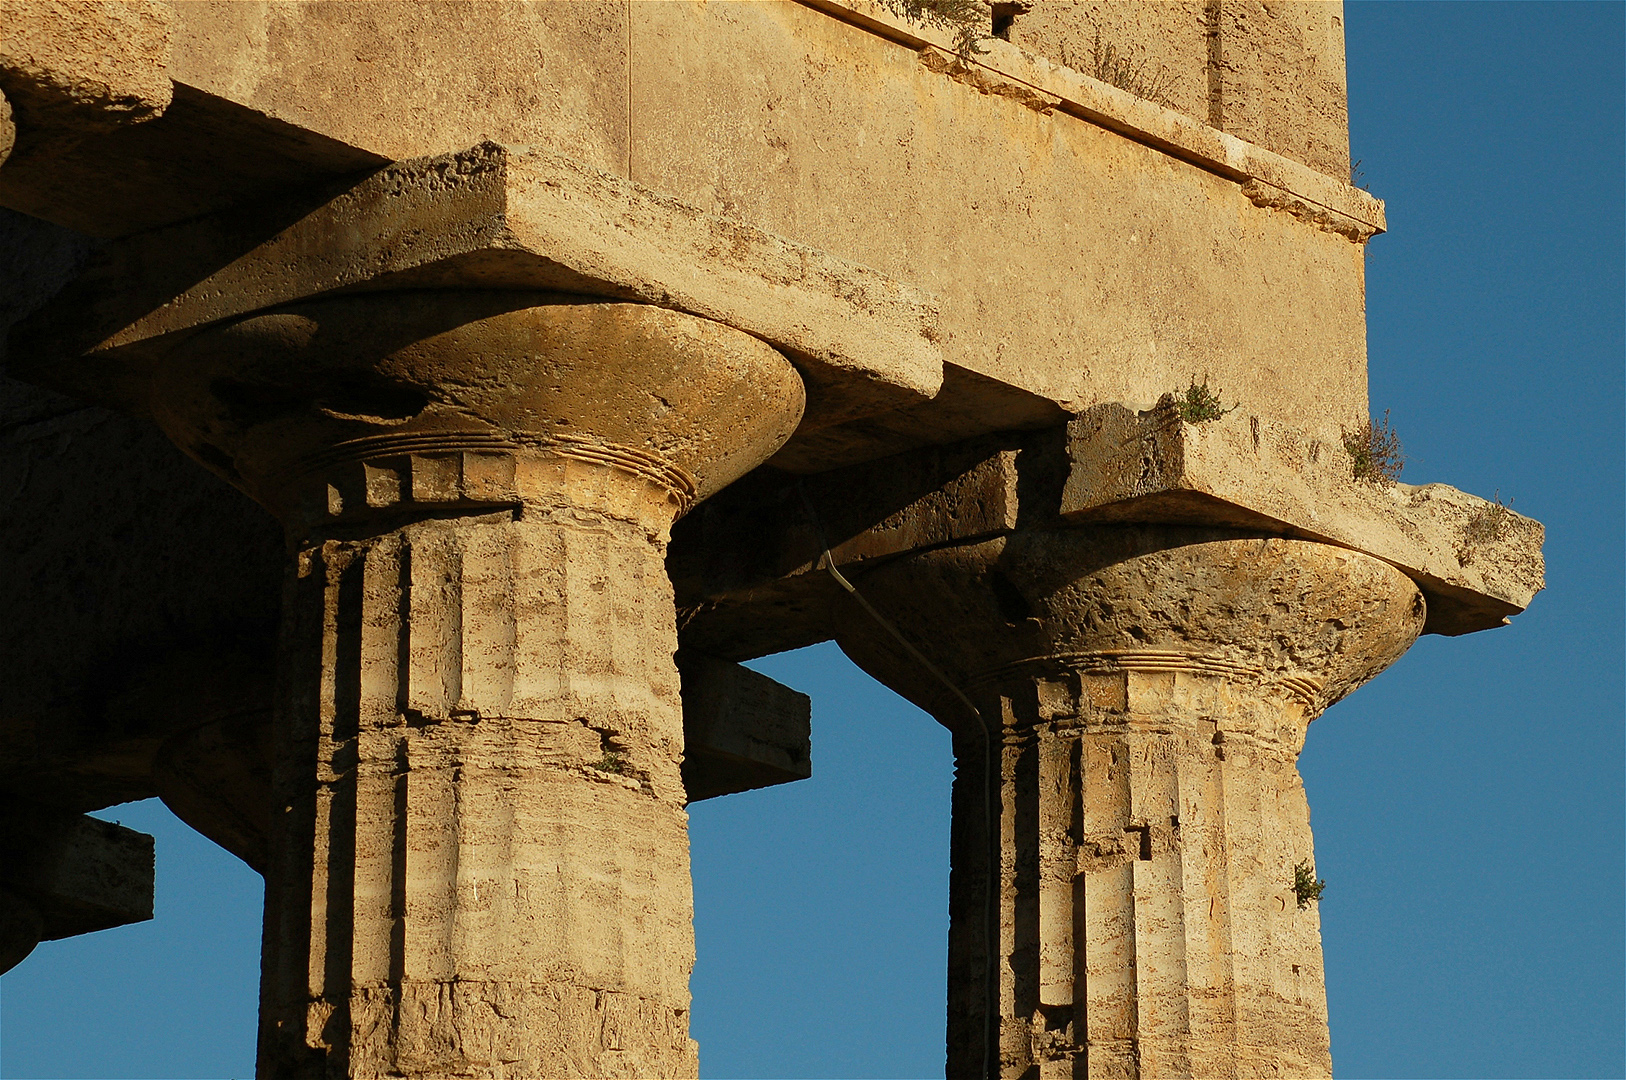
741,730
1280,78
1477,562
864,143
1164,44
747,566
85,66
203,154
407,80
1270,72
80,873
501,219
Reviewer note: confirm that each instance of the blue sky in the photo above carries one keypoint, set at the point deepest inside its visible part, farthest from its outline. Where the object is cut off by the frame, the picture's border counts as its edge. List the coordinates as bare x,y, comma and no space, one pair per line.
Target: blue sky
1467,805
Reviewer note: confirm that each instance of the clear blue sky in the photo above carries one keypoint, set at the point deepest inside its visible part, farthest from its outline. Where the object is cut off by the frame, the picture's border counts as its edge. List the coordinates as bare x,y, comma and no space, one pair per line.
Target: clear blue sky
1467,805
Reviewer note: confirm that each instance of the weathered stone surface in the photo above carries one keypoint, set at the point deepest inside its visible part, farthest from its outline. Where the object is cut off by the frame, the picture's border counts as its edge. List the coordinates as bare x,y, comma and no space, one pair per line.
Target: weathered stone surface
744,596
741,730
1481,560
1145,691
85,66
866,147
479,386
1165,45
1270,72
501,219
203,154
79,873
1281,79
406,80
856,135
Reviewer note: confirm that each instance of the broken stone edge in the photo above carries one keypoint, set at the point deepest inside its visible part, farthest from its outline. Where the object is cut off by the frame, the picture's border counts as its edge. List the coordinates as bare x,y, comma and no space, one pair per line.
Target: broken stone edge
493,217
1269,179
1480,558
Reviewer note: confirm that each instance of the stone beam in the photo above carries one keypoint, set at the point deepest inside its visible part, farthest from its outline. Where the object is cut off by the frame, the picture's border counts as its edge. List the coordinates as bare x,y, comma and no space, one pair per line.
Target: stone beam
64,874
741,729
108,143
495,218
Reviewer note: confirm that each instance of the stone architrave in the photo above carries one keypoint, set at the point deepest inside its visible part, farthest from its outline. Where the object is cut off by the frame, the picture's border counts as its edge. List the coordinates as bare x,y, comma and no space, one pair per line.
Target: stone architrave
1144,692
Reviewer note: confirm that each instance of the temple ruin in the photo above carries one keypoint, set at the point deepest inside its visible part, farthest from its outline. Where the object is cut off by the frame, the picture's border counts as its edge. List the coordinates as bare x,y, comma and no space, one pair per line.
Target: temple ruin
415,412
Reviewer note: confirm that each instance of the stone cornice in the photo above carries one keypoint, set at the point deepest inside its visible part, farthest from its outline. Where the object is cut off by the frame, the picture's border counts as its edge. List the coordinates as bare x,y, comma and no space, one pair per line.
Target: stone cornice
1267,178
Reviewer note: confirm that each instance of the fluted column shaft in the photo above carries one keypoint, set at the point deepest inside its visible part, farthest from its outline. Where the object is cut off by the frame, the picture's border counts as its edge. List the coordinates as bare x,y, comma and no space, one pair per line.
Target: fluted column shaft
479,860
485,865
1151,816
1145,697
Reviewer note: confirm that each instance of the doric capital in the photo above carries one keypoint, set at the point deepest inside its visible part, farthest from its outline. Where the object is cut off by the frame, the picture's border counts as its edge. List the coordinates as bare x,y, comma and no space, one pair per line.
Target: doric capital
392,404
1098,613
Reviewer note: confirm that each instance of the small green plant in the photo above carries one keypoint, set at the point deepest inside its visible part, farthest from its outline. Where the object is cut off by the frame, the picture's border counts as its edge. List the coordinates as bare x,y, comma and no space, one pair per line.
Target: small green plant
1486,525
1374,452
1126,73
1199,404
967,18
1306,886
1357,177
612,762
1489,523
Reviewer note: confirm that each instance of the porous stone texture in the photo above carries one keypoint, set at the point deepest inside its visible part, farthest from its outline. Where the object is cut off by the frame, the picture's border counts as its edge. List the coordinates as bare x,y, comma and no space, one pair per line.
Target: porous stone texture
498,884
479,860
531,74
1478,560
884,157
85,65
1281,79
1268,71
1164,45
799,121
1144,693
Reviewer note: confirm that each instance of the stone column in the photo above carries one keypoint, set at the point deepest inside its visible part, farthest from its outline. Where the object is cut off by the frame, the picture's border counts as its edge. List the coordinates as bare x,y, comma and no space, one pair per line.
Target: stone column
479,866
1147,691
